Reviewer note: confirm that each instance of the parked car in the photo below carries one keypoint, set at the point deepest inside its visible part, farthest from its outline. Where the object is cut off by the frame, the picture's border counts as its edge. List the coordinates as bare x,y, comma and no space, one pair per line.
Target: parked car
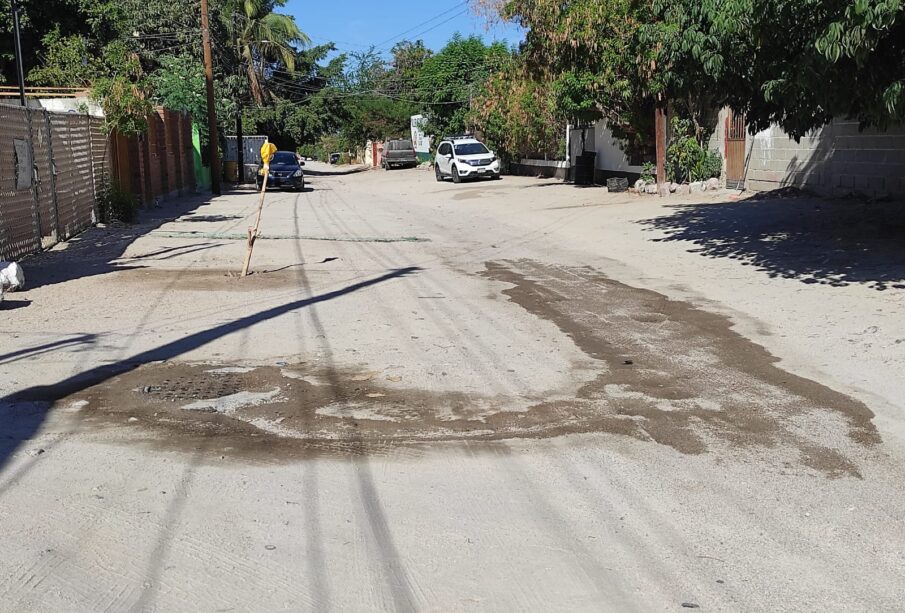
399,153
464,157
285,171
334,157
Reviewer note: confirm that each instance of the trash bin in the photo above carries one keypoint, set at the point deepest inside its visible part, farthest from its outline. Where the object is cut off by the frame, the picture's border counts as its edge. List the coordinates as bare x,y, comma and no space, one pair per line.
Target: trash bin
585,165
231,172
251,173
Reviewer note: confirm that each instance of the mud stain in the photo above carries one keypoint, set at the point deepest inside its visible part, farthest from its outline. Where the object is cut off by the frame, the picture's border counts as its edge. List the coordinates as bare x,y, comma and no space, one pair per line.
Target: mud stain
210,280
683,376
296,411
667,373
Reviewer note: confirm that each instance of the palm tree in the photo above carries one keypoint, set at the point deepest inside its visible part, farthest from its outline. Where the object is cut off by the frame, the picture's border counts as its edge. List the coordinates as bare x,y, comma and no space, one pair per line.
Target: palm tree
262,38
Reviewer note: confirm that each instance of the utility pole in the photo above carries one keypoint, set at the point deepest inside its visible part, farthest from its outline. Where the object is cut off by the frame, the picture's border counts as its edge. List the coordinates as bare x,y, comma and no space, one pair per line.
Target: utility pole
18,45
240,138
240,145
211,110
660,135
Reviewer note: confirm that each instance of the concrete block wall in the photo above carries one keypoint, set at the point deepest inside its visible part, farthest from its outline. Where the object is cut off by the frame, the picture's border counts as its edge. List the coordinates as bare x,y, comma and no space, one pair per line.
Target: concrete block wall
838,159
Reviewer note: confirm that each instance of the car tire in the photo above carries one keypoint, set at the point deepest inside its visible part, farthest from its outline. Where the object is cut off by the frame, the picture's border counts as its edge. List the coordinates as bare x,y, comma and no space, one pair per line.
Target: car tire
496,177
438,174
455,174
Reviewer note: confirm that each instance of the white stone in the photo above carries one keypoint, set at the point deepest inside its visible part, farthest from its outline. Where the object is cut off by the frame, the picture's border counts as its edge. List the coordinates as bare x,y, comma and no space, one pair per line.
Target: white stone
713,184
651,189
639,185
673,187
695,187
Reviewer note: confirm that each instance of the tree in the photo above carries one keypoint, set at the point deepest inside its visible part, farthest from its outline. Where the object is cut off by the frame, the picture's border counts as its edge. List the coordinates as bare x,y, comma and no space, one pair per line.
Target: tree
450,79
263,39
587,51
518,113
179,85
781,62
67,61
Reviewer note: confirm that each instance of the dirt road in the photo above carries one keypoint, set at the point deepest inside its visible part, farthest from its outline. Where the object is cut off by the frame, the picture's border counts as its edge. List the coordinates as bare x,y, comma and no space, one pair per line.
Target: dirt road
512,395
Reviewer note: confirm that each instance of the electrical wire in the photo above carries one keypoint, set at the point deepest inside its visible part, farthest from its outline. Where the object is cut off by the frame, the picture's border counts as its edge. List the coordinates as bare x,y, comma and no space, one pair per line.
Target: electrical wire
423,23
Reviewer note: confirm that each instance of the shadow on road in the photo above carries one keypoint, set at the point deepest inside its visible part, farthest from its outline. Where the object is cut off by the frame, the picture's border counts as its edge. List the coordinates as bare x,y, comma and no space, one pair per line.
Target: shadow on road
815,241
21,354
334,173
22,413
95,251
11,304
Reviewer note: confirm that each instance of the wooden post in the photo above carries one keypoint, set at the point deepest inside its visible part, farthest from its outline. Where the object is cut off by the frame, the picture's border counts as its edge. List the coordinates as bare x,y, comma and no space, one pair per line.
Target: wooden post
267,151
660,128
214,143
253,232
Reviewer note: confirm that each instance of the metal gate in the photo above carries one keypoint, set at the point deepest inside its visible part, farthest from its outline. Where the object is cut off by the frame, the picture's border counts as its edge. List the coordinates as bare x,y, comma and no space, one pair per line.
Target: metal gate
45,175
74,176
19,230
736,136
53,166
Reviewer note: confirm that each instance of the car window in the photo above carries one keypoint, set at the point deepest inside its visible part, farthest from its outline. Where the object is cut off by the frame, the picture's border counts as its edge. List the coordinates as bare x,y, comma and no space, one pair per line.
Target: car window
445,149
471,149
404,145
283,157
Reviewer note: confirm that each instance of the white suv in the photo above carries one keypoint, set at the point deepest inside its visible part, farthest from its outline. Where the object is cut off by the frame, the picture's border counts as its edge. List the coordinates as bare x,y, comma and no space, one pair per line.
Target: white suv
463,157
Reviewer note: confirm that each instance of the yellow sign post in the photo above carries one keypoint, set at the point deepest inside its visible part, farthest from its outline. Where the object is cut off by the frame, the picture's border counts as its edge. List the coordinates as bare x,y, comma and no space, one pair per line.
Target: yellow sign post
267,151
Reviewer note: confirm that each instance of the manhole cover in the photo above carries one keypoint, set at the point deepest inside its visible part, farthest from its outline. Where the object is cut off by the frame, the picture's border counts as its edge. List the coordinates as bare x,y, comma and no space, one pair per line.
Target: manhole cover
210,385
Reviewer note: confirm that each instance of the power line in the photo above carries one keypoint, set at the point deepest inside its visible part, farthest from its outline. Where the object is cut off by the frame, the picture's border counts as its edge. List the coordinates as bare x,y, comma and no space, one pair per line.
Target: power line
445,21
423,23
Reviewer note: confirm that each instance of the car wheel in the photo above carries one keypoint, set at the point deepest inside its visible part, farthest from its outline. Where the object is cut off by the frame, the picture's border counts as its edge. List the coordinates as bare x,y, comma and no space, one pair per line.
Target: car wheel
496,177
455,175
438,173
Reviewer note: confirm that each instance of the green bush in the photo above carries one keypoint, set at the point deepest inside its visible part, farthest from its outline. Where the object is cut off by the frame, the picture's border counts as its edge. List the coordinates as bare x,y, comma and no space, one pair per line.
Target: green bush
648,172
712,166
116,204
686,159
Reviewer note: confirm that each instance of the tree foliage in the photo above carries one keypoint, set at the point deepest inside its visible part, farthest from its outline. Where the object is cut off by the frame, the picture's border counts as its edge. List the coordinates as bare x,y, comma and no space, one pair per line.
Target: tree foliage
518,114
450,79
796,63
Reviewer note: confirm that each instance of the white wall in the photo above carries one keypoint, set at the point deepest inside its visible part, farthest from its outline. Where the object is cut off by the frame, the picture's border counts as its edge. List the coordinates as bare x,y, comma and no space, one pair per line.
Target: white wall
71,105
610,156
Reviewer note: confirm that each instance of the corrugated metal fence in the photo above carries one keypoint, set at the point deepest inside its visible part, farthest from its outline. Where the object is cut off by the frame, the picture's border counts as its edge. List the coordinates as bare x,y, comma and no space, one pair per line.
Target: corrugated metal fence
53,167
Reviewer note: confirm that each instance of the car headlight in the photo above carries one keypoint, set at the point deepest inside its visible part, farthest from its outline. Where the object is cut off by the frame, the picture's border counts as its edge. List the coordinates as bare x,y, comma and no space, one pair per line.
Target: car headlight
297,173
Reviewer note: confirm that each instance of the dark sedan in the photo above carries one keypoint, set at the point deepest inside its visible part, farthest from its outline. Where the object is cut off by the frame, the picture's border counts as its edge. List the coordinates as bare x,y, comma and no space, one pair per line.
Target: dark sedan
285,171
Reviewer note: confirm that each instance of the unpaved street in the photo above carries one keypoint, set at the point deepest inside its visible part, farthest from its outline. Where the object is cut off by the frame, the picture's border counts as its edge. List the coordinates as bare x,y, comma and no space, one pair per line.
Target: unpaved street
513,395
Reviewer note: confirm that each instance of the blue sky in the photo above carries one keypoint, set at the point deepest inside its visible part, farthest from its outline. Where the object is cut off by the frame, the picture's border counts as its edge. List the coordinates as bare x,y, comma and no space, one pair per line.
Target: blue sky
353,25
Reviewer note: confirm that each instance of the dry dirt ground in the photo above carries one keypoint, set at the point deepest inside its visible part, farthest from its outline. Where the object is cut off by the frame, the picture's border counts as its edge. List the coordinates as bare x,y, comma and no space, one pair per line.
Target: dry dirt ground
513,395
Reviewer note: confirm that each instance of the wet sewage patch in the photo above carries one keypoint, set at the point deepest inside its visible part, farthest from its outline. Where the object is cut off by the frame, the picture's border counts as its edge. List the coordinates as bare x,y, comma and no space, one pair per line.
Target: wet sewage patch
666,373
684,377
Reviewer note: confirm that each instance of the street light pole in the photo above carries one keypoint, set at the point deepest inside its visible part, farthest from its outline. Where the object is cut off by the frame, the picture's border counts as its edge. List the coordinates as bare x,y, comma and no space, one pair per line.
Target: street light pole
18,45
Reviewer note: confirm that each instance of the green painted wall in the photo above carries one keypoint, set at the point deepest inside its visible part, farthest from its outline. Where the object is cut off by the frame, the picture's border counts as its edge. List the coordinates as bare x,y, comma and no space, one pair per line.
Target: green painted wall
202,173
